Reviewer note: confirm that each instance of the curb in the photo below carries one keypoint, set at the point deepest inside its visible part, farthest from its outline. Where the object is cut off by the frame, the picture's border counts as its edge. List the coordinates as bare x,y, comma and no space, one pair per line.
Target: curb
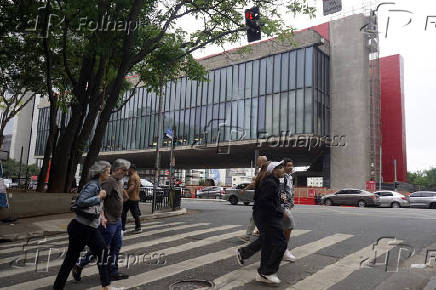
36,234
204,199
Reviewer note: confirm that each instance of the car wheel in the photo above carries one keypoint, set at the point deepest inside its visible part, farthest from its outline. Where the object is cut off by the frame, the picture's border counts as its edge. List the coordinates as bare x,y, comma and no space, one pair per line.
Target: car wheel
247,203
217,197
361,203
328,202
432,205
395,205
233,200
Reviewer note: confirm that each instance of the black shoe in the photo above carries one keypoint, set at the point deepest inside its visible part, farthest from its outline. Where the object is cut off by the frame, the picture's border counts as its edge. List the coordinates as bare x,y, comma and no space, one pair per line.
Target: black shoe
76,272
120,276
239,257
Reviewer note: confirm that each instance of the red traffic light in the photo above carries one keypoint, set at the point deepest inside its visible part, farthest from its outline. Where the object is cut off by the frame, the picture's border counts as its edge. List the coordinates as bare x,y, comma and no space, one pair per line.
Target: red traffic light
249,15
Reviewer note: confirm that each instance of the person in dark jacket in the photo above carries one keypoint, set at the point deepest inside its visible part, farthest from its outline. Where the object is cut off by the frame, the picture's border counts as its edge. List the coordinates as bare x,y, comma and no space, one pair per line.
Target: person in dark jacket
268,215
83,230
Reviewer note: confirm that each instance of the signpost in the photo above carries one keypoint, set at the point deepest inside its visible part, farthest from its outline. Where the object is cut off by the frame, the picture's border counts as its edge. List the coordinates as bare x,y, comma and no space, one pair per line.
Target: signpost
331,6
371,185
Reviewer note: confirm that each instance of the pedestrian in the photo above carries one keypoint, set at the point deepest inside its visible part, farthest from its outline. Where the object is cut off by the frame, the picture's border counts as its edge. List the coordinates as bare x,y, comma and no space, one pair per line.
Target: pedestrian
4,202
260,162
82,230
111,225
132,203
268,216
287,202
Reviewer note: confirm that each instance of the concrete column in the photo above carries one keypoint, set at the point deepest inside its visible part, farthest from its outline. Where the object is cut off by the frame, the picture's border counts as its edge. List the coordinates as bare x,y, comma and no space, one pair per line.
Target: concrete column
350,102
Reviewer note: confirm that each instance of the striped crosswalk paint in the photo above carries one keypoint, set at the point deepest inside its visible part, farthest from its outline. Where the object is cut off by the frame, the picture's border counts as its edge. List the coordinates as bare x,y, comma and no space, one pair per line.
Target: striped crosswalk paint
334,273
47,281
18,246
59,262
174,269
246,274
45,245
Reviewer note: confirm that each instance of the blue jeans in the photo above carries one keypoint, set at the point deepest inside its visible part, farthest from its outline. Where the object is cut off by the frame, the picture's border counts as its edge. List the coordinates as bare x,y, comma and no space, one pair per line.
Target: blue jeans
113,239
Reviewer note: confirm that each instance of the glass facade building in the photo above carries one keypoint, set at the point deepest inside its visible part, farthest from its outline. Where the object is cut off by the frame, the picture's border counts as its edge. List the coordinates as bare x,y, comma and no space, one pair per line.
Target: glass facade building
284,92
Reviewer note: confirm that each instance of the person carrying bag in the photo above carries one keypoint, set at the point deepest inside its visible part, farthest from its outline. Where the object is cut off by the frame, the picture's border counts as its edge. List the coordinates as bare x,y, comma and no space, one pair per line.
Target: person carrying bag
82,230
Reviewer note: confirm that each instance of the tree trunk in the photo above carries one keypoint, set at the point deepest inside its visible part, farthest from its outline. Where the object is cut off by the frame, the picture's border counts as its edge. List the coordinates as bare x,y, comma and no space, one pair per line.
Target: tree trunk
62,154
79,146
49,146
94,148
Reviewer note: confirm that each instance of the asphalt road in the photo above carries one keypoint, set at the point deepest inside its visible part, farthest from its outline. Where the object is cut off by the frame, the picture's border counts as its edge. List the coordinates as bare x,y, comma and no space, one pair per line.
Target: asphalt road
335,249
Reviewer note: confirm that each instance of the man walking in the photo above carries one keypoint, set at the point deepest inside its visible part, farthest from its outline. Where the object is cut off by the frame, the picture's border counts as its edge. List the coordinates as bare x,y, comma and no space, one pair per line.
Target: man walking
287,202
260,162
132,203
111,225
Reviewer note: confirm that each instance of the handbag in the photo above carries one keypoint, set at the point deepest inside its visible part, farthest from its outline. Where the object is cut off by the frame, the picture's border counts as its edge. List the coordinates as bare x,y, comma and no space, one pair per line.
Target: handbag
90,213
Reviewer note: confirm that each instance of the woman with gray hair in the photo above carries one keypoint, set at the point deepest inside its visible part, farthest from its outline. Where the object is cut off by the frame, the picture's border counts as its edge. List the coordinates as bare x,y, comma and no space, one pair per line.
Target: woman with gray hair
83,231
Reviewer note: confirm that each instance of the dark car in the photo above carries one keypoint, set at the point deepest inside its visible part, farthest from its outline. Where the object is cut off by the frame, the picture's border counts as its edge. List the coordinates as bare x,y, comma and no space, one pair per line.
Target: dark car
356,197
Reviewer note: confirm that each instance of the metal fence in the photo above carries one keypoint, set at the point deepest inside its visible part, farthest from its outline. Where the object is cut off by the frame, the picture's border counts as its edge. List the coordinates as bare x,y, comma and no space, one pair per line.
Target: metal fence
163,200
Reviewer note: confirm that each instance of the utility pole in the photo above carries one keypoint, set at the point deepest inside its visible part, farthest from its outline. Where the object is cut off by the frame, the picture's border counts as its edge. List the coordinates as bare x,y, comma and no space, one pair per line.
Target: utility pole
172,170
158,145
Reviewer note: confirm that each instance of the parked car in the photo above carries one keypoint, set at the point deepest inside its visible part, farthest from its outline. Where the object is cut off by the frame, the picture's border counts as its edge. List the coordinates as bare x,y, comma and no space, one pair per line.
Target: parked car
423,199
233,195
350,196
210,192
393,199
186,192
146,191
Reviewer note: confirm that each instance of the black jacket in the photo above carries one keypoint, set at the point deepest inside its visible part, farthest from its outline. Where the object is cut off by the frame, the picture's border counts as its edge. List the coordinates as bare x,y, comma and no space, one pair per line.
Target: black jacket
267,199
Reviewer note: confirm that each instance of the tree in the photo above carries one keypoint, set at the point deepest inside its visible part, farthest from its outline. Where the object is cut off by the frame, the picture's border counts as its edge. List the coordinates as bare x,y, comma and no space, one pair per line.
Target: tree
21,78
423,178
11,169
101,42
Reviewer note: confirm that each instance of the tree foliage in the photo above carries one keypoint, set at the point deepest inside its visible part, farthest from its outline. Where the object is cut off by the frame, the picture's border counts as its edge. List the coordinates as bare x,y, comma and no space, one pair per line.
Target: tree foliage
11,169
21,77
424,178
89,47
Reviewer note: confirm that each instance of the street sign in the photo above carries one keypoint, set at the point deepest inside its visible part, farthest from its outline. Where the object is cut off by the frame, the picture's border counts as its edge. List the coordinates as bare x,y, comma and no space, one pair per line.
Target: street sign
312,192
331,6
169,133
370,185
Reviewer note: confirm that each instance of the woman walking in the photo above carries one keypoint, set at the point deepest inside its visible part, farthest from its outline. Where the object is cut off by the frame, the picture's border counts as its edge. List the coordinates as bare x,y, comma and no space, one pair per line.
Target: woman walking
268,215
82,230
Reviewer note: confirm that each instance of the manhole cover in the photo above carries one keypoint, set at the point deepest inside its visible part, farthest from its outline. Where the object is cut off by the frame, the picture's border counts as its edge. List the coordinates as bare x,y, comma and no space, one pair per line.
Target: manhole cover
191,285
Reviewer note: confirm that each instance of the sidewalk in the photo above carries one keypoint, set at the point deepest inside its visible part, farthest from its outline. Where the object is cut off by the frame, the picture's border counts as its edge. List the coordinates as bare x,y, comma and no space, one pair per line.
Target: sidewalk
26,228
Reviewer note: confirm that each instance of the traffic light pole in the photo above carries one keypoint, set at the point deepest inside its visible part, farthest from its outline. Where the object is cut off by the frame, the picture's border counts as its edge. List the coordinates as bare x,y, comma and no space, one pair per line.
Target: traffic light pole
172,169
158,145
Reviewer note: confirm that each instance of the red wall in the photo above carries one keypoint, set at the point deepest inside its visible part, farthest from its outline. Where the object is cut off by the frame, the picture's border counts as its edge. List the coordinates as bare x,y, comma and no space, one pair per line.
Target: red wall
392,118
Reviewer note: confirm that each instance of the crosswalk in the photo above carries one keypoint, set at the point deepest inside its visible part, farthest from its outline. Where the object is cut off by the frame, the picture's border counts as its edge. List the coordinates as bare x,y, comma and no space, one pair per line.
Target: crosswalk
187,247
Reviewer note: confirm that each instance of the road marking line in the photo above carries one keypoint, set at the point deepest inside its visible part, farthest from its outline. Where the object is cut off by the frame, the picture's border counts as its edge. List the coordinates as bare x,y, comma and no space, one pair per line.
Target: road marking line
334,273
58,262
247,274
18,246
64,244
47,281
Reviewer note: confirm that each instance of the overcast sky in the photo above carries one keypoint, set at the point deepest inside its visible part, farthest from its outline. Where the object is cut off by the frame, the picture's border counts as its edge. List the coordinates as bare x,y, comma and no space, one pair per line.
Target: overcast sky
417,46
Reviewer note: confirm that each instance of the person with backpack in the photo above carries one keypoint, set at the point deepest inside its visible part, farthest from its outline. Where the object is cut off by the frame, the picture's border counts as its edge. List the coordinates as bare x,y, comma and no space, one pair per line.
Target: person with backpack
82,230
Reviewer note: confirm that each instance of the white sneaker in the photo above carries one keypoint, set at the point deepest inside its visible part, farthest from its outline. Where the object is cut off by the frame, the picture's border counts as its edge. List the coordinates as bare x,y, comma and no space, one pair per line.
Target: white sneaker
271,279
287,256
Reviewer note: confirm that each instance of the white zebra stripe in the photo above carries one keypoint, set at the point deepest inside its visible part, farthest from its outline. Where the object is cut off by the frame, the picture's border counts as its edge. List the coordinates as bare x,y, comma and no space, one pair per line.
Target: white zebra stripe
334,273
59,262
246,274
43,245
47,281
